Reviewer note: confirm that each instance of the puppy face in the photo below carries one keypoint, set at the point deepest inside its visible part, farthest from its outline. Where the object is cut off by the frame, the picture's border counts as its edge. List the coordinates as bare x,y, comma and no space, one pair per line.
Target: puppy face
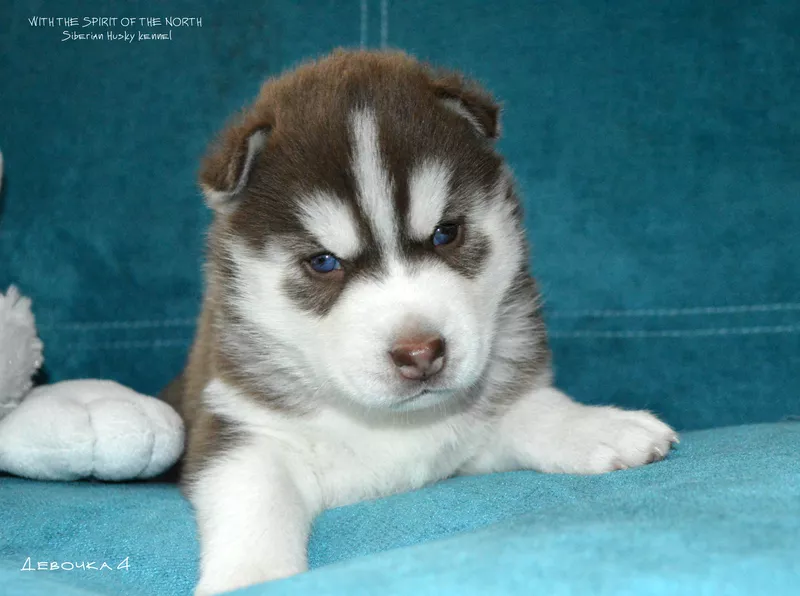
366,234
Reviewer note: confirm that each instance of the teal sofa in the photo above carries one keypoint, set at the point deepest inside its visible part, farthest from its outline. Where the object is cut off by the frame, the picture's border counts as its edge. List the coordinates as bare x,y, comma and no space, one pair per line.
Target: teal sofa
657,146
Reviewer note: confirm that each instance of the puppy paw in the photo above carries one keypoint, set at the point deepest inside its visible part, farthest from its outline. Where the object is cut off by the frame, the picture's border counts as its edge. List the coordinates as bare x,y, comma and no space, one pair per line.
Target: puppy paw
614,439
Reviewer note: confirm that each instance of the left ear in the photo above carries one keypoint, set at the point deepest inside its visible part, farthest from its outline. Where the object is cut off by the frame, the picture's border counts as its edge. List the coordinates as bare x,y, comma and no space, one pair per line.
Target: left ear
470,101
226,168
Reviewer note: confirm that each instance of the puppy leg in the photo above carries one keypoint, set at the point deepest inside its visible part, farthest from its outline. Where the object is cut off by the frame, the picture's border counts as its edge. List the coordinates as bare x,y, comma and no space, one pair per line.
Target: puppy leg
549,432
253,518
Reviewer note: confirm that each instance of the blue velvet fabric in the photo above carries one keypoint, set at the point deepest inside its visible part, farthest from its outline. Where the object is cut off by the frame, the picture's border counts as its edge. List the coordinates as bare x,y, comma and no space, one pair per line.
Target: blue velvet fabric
720,515
657,147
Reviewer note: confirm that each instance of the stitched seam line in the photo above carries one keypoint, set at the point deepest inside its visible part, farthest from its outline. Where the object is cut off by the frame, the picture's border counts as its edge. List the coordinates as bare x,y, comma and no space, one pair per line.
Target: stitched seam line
675,312
713,332
132,345
384,23
652,312
100,325
635,334
364,24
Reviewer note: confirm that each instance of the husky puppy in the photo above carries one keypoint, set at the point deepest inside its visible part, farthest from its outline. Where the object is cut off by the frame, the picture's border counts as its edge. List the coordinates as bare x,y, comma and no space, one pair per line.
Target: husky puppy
369,324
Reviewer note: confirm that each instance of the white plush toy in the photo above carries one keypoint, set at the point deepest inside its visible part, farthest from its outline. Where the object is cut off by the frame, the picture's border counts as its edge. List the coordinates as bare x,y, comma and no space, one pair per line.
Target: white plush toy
74,429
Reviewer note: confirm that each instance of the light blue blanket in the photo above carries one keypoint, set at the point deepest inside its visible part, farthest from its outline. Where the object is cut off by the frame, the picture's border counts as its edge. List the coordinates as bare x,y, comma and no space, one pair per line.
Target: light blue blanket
720,515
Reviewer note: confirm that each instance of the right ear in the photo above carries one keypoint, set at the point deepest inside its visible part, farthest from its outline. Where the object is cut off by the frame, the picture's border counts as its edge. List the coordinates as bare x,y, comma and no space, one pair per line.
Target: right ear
226,168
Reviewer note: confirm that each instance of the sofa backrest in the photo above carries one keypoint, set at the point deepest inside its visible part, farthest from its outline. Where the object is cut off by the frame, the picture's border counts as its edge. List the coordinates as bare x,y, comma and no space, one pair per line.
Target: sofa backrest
657,146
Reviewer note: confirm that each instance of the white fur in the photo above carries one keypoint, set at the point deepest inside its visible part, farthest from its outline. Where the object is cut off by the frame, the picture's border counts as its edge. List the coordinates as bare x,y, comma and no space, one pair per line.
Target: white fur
371,315
494,217
253,517
292,468
264,303
374,186
428,191
549,432
350,457
348,349
330,221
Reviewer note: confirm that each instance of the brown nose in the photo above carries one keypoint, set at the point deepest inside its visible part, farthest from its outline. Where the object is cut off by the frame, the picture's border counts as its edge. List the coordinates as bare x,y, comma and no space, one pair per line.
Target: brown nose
418,358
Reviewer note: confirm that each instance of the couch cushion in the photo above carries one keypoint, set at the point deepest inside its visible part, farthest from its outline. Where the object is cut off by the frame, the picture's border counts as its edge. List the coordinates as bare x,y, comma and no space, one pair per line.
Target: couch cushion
656,148
721,514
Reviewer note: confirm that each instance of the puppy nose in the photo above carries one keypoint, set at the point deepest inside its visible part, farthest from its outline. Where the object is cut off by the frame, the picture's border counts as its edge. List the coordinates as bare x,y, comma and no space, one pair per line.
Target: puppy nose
418,358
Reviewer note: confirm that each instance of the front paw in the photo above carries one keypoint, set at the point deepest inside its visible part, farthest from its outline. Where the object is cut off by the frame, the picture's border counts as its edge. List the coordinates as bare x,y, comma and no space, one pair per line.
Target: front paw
615,439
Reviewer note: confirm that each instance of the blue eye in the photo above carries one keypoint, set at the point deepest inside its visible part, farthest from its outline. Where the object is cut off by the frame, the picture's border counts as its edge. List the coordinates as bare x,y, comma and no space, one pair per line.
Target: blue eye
445,234
324,263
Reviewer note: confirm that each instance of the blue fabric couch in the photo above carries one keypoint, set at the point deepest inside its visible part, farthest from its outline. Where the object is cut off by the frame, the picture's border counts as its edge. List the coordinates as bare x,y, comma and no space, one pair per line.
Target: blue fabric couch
657,146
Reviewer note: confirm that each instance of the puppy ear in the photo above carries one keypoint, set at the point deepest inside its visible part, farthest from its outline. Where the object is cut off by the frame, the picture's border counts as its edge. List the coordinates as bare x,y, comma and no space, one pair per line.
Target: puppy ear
225,170
470,101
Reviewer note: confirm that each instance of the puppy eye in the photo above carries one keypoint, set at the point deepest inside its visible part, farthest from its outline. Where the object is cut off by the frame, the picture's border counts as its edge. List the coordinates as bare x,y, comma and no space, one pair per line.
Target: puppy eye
324,263
445,234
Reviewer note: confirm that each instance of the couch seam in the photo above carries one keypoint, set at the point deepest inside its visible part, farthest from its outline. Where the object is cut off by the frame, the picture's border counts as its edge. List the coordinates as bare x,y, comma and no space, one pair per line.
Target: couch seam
384,23
100,325
608,313
632,334
674,312
677,333
364,24
131,345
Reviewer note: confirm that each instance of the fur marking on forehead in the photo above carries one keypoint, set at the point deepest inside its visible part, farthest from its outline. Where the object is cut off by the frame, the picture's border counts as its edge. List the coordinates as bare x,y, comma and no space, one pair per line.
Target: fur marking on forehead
429,188
372,179
331,223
